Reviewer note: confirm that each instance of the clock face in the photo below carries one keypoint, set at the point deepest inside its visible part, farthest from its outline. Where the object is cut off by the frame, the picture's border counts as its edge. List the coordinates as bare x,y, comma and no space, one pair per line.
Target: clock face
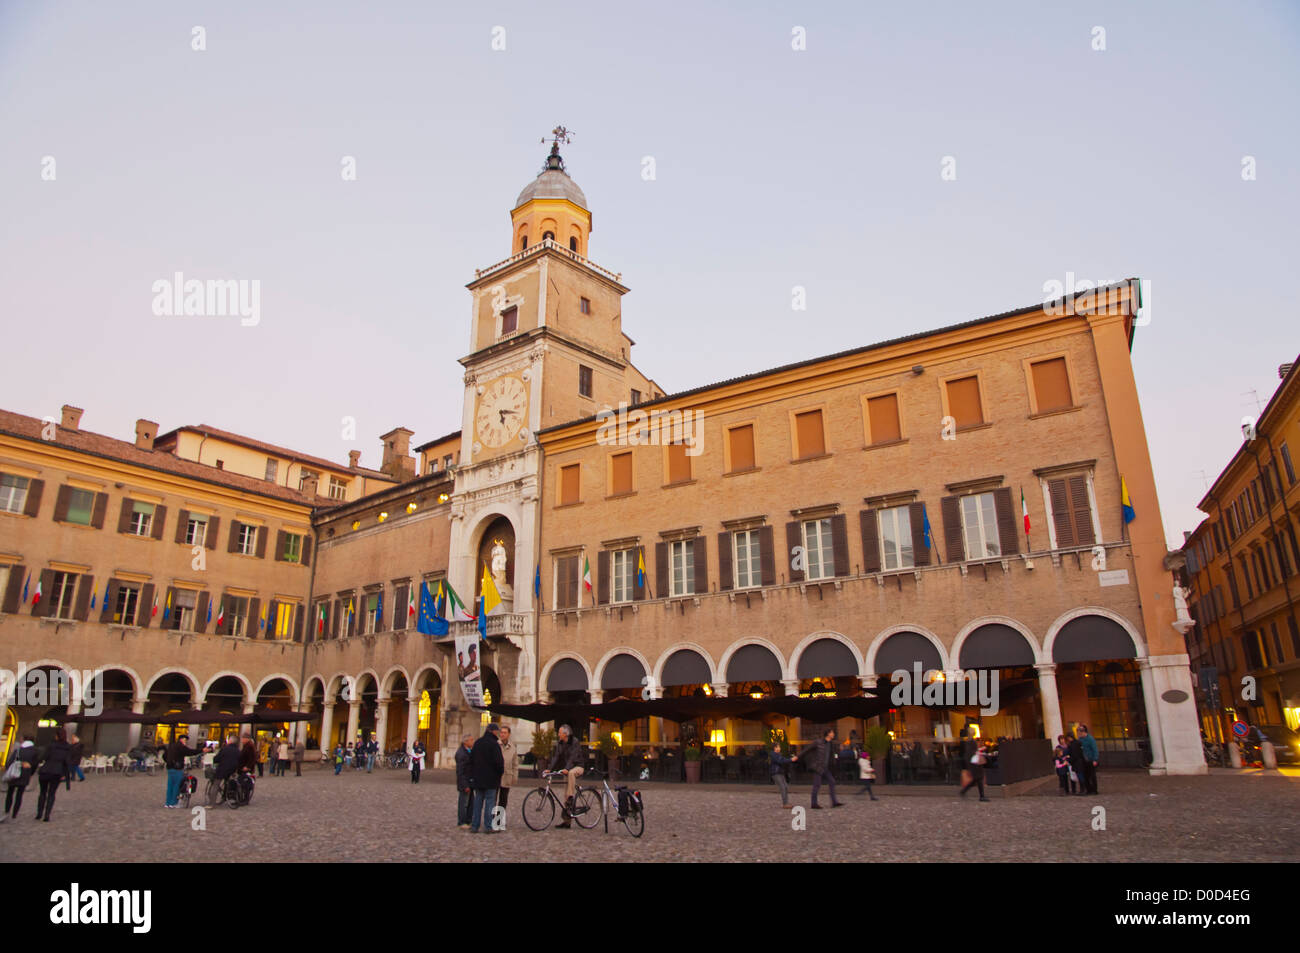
502,412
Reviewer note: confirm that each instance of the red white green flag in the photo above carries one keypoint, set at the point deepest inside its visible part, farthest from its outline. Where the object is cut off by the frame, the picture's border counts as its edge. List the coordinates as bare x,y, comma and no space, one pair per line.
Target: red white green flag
586,572
1024,510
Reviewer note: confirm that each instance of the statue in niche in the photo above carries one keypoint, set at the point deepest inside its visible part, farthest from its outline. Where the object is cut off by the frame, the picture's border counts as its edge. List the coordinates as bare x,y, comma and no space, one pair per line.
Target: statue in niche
499,559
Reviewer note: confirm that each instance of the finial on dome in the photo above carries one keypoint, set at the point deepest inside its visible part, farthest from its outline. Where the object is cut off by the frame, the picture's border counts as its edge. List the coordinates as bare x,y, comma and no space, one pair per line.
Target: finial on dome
558,134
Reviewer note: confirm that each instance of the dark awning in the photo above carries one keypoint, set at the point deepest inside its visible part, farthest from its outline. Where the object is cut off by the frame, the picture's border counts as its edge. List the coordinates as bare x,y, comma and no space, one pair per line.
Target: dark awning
827,657
686,667
902,649
753,663
1092,638
995,646
820,710
622,671
566,676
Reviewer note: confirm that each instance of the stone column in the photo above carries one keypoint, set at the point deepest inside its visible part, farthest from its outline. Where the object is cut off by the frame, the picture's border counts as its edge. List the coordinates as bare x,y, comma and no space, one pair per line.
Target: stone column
354,718
247,727
1153,717
133,731
327,726
413,723
381,721
791,686
1050,700
1171,715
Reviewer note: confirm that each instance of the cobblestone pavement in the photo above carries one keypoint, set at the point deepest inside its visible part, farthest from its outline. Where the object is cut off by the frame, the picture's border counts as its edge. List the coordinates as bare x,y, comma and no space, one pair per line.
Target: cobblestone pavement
1226,816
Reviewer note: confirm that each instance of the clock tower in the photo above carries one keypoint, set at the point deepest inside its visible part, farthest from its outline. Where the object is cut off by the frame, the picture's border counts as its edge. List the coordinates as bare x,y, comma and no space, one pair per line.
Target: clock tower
546,347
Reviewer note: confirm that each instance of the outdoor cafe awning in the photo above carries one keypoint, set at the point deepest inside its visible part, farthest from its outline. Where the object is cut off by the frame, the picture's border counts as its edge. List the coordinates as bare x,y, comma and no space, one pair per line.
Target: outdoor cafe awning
623,710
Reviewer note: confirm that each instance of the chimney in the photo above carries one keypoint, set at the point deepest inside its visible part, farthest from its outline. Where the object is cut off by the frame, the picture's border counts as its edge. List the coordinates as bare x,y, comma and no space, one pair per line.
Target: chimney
309,481
1282,371
71,417
145,431
354,459
398,462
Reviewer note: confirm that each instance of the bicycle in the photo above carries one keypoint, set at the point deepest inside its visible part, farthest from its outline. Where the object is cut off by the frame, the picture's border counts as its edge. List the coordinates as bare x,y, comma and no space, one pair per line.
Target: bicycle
539,806
228,791
189,784
397,759
625,802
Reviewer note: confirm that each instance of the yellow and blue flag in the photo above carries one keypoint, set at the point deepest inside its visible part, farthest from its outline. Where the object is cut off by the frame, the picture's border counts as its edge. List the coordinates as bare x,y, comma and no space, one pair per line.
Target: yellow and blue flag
1126,504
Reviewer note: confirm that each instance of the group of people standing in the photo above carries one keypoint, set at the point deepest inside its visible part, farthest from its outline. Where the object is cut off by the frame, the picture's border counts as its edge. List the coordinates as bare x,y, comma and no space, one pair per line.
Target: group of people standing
279,754
486,770
56,764
1076,762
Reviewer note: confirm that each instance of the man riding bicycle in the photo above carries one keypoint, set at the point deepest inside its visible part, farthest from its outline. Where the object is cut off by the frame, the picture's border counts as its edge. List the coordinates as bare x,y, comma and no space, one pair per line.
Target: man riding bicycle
568,760
247,766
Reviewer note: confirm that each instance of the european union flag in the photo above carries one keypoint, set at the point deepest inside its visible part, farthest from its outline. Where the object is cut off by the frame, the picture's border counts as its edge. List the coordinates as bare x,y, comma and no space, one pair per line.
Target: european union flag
482,617
424,621
925,527
537,582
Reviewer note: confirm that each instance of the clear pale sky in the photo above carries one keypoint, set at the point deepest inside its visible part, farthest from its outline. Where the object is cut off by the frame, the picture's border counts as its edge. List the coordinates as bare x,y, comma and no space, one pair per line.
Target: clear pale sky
774,168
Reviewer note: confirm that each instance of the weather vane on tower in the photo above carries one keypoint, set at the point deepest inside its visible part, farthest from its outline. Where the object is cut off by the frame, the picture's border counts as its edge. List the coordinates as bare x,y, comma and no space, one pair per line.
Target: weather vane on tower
559,134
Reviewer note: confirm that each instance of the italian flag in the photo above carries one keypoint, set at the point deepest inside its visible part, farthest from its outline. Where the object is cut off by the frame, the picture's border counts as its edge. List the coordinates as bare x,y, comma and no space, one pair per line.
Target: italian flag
1024,510
221,614
154,611
410,603
456,609
320,621
36,599
586,572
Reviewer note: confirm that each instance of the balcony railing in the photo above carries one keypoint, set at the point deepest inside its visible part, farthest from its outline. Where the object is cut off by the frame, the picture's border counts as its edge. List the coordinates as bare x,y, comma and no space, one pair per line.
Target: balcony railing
554,246
511,623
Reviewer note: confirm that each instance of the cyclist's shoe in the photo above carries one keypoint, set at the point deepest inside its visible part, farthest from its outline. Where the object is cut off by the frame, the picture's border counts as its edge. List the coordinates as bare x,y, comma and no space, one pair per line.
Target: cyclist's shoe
564,824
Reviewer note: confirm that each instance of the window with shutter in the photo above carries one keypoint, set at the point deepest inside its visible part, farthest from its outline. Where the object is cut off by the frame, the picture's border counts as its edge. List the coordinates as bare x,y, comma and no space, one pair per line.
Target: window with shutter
81,505
740,446
882,419
584,381
810,440
1051,383
682,556
620,475
622,574
679,464
747,561
819,549
964,402
13,493
510,320
569,491
896,539
980,526
566,582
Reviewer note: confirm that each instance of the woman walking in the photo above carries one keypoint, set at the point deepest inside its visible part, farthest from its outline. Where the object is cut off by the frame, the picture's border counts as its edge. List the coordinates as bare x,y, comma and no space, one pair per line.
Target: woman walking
16,779
866,773
55,766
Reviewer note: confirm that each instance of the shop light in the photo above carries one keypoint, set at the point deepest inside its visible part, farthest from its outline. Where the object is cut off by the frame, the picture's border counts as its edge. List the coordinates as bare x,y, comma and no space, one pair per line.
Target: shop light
708,689
356,524
410,507
443,498
383,516
618,737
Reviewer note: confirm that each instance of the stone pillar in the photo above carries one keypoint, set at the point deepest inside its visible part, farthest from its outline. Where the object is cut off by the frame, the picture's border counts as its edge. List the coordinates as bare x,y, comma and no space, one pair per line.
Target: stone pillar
327,726
354,718
413,721
133,731
720,689
868,682
381,721
1050,700
791,686
247,727
1171,715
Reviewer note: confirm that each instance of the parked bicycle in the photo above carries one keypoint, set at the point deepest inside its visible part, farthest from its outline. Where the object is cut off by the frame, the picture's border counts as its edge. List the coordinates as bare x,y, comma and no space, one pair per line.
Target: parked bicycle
625,804
540,804
231,791
189,784
397,759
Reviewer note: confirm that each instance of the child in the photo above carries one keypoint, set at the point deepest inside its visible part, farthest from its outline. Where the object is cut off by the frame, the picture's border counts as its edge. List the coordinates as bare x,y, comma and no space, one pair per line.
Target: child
338,759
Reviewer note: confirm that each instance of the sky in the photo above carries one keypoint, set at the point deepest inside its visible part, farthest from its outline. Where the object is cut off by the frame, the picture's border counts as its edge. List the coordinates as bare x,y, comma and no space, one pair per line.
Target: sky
128,155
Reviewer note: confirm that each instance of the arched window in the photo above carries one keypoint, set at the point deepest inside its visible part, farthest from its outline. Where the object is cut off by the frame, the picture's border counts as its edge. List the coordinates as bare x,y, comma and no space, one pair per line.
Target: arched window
550,235
573,243
523,242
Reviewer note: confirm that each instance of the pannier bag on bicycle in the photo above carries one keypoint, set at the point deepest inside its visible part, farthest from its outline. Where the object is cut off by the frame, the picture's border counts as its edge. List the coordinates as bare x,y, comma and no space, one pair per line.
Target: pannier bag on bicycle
629,802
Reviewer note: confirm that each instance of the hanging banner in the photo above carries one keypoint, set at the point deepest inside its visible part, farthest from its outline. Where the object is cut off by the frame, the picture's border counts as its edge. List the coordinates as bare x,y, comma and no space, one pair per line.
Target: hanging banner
467,667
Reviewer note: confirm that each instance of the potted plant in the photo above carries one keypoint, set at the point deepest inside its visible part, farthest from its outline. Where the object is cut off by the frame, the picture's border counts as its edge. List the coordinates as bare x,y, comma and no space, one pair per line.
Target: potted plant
543,746
877,744
691,759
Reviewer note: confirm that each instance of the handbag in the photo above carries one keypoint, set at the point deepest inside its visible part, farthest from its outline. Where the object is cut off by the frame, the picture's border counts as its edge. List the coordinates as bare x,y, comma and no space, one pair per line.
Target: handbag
15,770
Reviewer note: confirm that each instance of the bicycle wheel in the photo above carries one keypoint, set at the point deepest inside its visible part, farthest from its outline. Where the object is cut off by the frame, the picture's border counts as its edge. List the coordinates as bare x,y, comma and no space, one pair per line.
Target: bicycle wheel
538,810
635,822
587,809
213,794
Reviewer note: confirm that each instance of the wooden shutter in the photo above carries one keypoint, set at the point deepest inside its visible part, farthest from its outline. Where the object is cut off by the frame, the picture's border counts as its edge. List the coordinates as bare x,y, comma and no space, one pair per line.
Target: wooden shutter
110,601
182,524
261,542
1081,511
159,520
1051,385
234,536
964,402
144,615
920,551
100,511
602,580
210,535
81,607
662,583
620,473
638,583
33,504
741,443
297,623
882,418
280,537
767,556
726,575
42,608
14,591
124,516
1061,517
201,612
254,616
569,489
809,435
953,541
1008,525
870,540
62,499
793,538
399,607
701,583
840,543
679,464
306,550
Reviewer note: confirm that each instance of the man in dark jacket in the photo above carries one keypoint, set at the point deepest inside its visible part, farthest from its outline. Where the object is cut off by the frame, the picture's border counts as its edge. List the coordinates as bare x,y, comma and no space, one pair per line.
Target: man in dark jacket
75,755
248,763
226,761
174,756
568,759
1074,751
821,762
486,765
464,794
972,761
55,766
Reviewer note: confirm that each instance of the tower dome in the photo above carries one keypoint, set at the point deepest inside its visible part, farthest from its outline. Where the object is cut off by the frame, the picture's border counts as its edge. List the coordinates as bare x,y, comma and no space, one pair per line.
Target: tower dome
551,207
